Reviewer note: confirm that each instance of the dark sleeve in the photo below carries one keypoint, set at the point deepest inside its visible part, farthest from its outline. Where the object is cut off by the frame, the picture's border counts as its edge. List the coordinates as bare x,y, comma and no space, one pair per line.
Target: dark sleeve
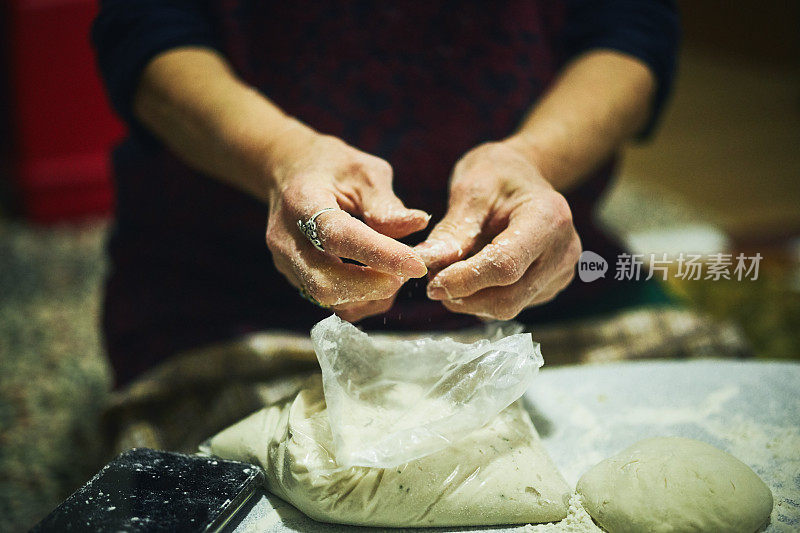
646,29
127,34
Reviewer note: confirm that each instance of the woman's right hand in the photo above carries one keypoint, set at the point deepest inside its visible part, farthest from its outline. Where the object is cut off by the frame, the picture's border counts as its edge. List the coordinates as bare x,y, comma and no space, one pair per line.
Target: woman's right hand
191,98
310,172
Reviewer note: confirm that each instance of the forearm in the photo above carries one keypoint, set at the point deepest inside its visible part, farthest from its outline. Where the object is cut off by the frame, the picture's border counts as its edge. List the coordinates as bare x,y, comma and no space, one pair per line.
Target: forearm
191,100
598,102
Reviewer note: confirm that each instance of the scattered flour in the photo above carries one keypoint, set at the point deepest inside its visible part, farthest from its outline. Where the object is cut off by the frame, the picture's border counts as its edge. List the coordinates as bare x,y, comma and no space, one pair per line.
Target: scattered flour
749,410
577,521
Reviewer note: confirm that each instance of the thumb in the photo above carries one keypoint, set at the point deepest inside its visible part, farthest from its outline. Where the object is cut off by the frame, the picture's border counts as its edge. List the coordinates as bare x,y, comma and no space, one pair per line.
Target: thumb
454,236
385,213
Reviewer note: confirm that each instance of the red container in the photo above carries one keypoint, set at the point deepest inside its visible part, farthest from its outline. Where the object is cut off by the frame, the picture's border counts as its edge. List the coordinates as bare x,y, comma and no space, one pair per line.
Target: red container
62,128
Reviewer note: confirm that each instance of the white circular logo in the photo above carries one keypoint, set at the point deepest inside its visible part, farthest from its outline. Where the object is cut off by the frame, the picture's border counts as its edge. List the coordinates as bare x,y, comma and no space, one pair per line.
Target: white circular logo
591,266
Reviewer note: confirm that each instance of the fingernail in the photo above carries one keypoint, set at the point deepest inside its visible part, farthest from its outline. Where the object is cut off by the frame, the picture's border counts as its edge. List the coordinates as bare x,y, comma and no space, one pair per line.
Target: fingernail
413,268
424,251
437,293
431,251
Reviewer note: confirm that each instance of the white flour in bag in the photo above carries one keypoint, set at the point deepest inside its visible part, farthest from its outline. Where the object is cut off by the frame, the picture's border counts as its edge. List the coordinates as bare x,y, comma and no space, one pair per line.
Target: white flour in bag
499,474
390,401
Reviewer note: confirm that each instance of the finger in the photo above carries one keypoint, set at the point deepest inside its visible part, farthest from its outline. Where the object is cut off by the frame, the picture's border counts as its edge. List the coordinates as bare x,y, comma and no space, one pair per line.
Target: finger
456,234
332,282
385,213
345,236
480,242
350,311
284,266
376,202
358,311
552,290
501,262
563,273
505,303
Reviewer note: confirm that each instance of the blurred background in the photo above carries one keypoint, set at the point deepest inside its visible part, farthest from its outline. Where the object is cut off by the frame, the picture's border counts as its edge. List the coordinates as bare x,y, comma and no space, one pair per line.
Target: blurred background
721,174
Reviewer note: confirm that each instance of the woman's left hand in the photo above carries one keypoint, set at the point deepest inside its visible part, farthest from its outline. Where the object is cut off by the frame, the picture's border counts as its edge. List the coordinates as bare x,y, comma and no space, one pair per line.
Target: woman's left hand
507,241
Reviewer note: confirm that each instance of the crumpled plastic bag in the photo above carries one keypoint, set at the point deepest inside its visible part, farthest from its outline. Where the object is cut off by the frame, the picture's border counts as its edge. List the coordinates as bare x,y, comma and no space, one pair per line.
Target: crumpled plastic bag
391,401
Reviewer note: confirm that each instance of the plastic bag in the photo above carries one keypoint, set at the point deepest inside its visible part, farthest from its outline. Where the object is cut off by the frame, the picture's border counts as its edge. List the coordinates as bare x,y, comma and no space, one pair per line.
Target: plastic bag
391,401
498,474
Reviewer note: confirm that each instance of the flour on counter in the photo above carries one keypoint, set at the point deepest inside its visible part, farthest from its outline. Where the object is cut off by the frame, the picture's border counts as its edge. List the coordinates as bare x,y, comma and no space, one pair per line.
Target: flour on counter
577,521
748,409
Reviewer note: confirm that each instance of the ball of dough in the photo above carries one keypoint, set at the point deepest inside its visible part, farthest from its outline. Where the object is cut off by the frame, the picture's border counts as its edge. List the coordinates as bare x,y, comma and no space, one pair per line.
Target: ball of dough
675,484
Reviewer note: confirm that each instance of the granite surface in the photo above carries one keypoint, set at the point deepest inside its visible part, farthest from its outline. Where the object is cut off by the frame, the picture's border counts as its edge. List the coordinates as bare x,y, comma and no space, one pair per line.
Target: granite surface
53,379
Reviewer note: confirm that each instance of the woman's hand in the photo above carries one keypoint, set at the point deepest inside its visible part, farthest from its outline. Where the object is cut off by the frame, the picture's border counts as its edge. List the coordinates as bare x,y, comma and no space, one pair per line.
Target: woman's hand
191,99
507,241
311,172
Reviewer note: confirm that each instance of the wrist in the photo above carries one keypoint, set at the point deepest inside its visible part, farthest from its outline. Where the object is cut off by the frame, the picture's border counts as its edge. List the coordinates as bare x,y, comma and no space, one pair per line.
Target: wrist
255,138
532,151
285,144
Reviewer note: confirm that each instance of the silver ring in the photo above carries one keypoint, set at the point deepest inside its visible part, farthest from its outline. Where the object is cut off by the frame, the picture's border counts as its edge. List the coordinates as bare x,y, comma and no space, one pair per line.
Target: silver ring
309,228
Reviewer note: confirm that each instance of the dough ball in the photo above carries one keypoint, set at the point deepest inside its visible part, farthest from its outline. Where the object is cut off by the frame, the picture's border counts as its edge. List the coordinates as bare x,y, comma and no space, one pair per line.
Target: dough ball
675,484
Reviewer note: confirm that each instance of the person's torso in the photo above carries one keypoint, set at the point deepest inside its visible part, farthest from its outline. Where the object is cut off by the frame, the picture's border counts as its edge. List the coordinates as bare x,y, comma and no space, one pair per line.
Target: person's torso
416,83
